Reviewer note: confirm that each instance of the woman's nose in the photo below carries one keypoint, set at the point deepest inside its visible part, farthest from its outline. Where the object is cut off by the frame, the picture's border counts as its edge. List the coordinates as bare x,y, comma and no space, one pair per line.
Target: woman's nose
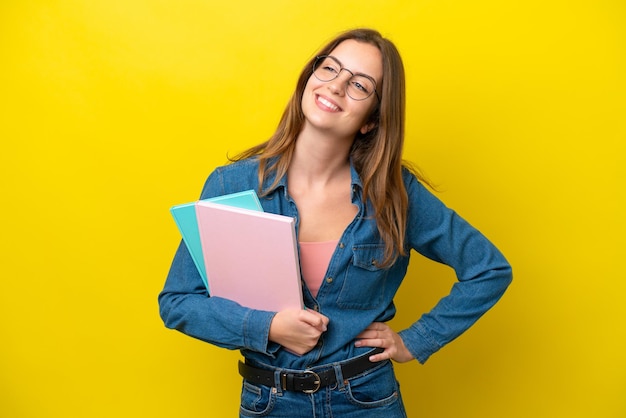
339,84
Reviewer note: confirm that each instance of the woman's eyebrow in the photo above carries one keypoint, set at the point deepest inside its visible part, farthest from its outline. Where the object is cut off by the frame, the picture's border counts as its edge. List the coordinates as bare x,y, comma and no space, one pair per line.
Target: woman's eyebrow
352,72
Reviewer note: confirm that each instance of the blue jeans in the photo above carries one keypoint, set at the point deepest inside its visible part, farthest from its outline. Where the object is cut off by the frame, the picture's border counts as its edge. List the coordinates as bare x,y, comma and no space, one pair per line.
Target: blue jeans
373,393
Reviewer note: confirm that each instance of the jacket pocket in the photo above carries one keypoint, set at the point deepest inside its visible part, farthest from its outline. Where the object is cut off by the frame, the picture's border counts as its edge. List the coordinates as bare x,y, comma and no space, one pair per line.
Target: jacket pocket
364,282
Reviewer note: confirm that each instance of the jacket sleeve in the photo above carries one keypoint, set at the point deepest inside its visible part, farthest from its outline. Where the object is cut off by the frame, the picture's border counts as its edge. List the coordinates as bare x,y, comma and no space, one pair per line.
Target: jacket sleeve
185,305
483,273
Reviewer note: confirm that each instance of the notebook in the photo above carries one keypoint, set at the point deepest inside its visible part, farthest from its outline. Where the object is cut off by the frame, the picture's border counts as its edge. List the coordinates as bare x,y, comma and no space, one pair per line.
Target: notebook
185,218
251,257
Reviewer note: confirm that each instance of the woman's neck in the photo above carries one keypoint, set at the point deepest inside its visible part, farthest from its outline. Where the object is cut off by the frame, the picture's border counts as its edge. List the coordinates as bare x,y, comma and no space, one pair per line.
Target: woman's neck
320,159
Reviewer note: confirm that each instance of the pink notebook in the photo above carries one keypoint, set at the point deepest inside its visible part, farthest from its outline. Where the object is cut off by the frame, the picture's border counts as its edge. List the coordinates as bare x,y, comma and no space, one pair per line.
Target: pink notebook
251,257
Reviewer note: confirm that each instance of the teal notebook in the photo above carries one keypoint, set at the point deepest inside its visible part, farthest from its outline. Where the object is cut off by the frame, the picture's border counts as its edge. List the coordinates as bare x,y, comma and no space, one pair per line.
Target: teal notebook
187,222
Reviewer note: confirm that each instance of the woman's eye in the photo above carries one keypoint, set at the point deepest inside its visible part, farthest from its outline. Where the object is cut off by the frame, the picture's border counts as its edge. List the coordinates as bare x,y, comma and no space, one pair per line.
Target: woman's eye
360,86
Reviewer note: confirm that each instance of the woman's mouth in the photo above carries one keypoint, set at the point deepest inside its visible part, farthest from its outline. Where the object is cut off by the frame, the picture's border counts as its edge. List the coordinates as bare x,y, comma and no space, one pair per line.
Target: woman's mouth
327,104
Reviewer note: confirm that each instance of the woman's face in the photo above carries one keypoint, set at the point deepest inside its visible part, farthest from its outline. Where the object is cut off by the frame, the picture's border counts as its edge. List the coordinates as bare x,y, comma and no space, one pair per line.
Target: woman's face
326,105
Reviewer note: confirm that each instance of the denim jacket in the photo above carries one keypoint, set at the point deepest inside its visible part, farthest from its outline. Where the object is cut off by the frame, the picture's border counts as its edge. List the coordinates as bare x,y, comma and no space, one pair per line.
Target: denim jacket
355,291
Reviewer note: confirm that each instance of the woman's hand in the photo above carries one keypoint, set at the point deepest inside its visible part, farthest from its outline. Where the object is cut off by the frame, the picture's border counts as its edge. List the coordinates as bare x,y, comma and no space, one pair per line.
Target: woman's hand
298,330
378,334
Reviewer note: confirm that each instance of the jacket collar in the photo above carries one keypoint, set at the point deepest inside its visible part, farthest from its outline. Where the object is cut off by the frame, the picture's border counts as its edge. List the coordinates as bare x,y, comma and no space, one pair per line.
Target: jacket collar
269,180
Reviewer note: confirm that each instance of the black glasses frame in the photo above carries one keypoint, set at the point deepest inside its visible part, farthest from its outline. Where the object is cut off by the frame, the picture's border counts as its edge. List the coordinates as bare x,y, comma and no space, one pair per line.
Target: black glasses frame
319,58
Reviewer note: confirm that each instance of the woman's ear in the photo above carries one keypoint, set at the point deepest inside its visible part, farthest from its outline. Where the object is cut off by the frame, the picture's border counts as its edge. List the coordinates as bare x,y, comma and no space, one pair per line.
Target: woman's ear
367,127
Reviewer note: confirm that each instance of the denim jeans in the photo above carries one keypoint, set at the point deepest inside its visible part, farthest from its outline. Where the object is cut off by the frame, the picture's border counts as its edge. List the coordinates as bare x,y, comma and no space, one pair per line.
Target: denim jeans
371,394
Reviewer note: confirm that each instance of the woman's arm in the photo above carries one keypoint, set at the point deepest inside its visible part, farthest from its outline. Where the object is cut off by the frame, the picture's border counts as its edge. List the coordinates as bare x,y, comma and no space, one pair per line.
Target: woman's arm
185,305
483,273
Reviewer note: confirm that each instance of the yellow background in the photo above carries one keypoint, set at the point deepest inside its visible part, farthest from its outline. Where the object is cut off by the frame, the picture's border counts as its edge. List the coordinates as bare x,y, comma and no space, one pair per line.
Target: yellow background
114,110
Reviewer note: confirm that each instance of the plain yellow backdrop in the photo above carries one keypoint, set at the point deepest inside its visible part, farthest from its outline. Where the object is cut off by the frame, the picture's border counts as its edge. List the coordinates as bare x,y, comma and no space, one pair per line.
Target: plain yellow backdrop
112,111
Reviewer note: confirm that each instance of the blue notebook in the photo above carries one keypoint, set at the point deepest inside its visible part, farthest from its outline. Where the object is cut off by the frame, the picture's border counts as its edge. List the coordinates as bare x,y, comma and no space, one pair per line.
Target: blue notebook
187,222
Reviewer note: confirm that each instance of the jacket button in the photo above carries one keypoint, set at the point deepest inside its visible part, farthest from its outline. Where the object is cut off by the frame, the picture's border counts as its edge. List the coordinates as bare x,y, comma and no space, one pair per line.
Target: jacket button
329,280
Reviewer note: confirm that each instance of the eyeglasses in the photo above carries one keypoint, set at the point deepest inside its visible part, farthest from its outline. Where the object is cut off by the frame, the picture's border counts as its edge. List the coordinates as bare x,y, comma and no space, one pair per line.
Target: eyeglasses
358,87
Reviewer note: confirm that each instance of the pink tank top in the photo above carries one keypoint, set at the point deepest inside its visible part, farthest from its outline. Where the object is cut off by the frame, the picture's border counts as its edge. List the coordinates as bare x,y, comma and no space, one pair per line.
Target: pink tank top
314,259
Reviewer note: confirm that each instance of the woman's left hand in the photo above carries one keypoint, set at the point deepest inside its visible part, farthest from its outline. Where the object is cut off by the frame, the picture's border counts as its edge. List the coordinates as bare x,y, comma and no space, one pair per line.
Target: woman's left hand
378,334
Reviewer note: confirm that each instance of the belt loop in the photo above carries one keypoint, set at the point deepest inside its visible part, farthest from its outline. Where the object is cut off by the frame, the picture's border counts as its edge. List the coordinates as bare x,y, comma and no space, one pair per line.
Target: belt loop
339,375
278,382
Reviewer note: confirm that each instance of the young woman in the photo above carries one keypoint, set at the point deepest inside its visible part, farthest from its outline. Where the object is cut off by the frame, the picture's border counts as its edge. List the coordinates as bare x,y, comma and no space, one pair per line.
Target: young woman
334,164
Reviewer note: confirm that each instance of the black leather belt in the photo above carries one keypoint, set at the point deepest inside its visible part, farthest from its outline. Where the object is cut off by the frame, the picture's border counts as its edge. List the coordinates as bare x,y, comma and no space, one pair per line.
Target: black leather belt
308,381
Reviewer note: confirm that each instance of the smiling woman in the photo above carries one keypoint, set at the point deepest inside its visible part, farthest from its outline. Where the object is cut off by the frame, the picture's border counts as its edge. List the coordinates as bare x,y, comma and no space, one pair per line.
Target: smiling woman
335,165
347,95
115,110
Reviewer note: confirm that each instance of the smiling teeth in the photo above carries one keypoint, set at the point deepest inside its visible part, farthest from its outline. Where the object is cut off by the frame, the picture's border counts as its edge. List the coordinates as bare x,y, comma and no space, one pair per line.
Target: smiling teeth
327,103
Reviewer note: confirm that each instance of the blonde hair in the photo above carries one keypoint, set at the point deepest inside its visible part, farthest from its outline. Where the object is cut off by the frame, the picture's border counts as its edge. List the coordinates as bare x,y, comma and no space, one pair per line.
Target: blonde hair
376,155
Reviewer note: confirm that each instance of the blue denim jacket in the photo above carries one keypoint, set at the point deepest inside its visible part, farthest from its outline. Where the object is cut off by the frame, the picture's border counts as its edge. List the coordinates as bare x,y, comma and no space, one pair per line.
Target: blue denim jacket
356,292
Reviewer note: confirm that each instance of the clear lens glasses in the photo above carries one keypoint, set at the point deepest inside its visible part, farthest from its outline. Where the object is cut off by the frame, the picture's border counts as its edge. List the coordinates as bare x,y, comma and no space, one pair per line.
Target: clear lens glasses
358,87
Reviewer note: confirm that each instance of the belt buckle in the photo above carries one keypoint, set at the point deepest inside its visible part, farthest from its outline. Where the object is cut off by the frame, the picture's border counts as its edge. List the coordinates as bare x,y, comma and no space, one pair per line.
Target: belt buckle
318,382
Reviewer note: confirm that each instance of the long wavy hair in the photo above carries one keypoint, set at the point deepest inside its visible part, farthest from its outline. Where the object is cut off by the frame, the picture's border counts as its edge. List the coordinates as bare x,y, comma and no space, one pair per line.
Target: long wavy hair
376,155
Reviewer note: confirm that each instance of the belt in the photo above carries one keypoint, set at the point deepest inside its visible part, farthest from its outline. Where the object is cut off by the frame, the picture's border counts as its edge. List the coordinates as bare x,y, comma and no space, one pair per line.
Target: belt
307,381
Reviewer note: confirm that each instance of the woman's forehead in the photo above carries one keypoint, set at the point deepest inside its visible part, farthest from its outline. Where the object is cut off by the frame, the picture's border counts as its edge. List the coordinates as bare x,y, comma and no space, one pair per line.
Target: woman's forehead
359,57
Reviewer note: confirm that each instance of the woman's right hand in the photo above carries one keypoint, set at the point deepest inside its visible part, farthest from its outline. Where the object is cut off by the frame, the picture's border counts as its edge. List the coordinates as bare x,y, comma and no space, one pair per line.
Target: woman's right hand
298,330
